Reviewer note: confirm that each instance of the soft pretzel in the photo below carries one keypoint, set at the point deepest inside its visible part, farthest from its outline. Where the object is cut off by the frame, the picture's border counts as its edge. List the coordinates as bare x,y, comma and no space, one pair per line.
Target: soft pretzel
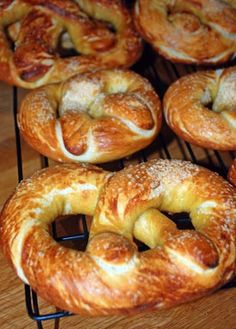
112,276
95,117
232,173
201,108
189,31
100,30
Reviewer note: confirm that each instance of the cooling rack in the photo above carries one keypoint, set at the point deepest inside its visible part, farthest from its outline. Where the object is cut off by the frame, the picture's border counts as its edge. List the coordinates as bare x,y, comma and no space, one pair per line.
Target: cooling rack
161,74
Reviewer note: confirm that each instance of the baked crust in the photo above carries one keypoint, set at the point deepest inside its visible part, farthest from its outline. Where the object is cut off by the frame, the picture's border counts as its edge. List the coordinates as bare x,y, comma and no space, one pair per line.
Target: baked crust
95,117
112,276
187,31
201,108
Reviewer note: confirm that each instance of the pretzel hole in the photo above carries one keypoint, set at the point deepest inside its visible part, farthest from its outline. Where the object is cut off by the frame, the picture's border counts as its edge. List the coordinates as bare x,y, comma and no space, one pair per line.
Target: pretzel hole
207,100
10,37
209,106
111,28
141,245
182,220
65,47
71,231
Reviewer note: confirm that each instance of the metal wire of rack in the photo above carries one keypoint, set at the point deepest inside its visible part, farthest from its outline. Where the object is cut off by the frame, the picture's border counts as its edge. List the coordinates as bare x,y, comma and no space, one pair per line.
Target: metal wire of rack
161,74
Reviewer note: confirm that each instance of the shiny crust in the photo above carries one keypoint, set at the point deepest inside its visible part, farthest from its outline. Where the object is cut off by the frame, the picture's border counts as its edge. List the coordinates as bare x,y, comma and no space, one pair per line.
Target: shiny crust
232,173
189,31
36,26
112,276
201,109
95,117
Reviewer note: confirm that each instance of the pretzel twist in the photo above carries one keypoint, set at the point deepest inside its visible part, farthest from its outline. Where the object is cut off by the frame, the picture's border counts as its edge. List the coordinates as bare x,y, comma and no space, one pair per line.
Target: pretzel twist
36,28
189,31
201,108
112,276
95,117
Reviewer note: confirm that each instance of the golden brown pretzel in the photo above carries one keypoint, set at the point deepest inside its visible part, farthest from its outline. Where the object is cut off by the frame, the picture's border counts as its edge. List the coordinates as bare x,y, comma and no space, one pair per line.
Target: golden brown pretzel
232,173
112,276
201,108
36,27
95,117
189,31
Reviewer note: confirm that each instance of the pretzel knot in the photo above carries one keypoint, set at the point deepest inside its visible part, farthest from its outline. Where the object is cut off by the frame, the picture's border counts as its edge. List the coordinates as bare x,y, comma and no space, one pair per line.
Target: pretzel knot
95,117
201,108
189,31
112,276
100,31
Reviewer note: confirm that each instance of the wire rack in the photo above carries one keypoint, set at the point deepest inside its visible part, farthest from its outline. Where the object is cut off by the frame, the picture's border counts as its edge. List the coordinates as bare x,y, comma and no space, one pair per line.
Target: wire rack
161,74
